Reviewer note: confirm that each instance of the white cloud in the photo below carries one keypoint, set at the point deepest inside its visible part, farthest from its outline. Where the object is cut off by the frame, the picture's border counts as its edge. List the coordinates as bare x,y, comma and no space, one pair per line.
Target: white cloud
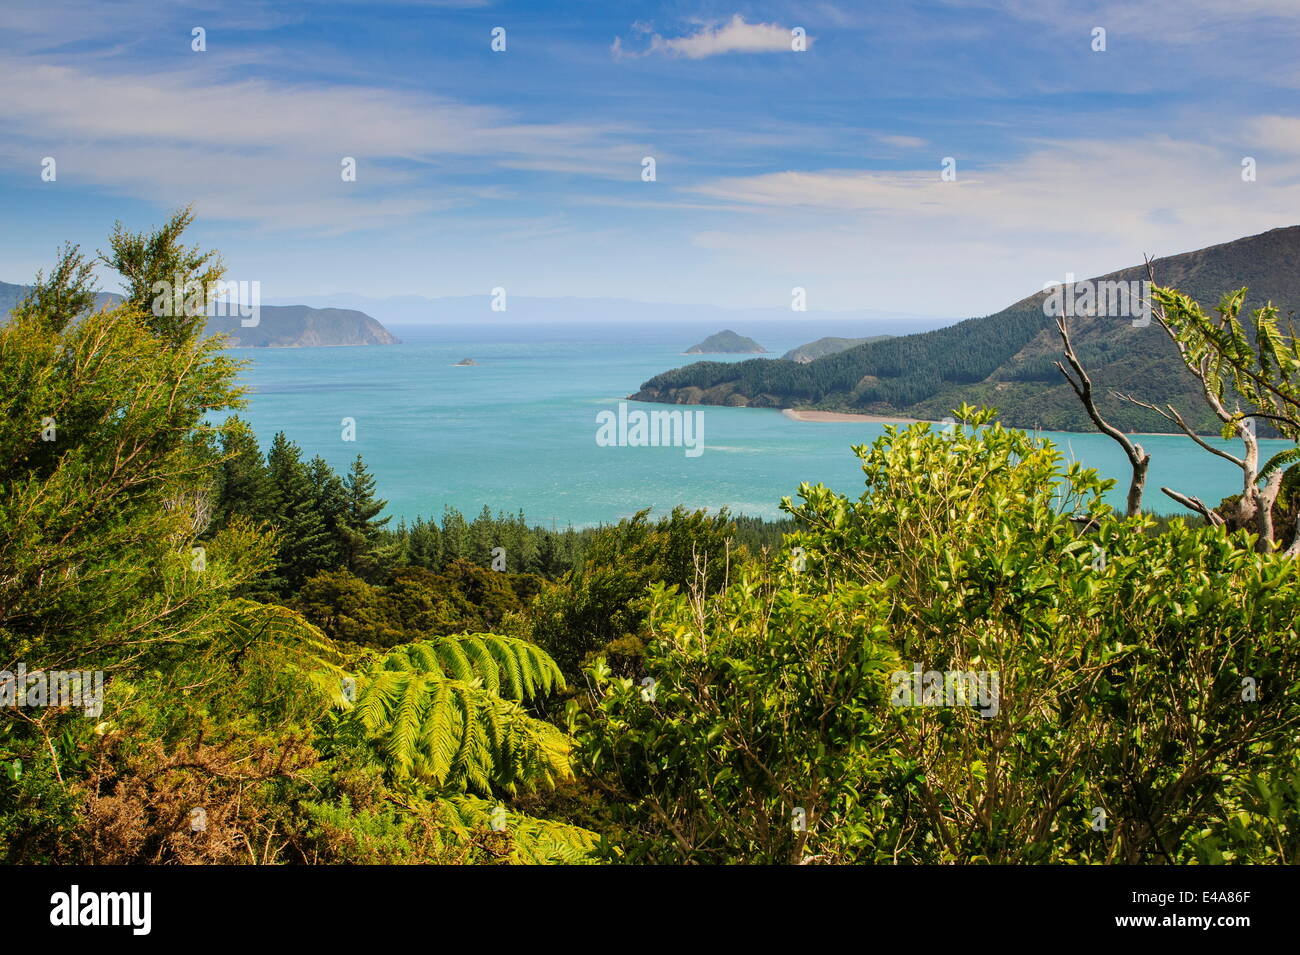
735,36
999,231
902,142
1178,22
270,152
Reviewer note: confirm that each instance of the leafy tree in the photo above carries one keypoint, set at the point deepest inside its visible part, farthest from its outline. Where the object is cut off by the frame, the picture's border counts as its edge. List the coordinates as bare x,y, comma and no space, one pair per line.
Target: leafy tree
605,601
107,563
168,284
67,294
1137,691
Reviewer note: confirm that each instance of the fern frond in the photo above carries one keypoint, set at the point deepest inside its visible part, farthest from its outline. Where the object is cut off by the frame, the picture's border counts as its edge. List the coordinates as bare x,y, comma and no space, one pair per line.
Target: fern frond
457,735
277,639
533,841
507,666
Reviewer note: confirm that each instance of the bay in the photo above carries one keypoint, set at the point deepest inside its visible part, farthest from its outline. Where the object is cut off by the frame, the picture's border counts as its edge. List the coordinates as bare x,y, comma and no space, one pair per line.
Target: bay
517,431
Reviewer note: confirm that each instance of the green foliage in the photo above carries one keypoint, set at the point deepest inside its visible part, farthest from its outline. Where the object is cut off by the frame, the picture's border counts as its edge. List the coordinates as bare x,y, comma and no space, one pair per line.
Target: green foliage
506,666
105,491
414,603
523,840
605,601
459,732
146,259
132,533
1140,689
1258,364
742,700
300,511
360,523
66,295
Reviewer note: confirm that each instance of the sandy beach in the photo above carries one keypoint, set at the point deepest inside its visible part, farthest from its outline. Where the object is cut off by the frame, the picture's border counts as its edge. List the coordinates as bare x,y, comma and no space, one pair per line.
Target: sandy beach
798,415
845,416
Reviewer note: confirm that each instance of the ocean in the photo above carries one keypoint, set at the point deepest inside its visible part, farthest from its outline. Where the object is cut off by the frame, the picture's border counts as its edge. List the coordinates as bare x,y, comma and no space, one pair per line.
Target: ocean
518,431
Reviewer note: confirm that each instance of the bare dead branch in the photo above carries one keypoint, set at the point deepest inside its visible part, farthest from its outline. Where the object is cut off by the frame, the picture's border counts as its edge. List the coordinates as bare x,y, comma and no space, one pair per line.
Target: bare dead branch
1196,504
1173,416
1138,458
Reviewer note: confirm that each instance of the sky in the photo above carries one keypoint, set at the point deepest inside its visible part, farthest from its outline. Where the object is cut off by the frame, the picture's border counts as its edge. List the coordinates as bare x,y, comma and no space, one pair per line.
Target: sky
524,168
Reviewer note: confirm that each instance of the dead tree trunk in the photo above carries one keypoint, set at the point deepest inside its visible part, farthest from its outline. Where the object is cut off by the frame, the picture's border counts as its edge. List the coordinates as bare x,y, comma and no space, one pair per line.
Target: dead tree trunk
1137,457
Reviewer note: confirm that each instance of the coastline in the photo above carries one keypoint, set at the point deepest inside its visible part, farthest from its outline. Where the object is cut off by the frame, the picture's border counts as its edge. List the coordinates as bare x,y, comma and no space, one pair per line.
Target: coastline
843,417
833,416
846,416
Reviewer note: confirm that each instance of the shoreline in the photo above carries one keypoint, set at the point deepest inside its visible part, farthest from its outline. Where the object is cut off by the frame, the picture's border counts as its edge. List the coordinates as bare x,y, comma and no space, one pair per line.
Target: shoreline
842,416
846,417
797,414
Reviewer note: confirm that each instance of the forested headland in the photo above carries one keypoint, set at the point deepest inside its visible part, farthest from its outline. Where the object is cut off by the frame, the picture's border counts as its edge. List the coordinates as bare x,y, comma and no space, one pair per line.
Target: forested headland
1007,359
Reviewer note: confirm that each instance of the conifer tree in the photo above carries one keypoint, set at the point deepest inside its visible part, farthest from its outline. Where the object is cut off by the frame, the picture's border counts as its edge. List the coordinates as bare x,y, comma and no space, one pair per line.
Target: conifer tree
65,295
146,259
361,525
305,545
484,535
425,548
243,483
331,498
455,535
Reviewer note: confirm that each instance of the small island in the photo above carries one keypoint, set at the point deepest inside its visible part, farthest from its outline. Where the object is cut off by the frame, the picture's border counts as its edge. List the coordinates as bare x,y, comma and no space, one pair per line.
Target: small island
727,343
465,362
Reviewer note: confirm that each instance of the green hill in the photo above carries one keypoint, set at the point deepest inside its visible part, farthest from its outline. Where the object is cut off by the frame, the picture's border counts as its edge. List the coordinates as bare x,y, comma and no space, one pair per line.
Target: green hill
827,346
1005,360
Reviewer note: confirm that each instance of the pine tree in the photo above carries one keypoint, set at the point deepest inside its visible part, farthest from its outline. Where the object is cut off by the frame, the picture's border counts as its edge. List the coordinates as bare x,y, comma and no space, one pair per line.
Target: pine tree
484,535
425,548
243,484
455,535
361,524
305,544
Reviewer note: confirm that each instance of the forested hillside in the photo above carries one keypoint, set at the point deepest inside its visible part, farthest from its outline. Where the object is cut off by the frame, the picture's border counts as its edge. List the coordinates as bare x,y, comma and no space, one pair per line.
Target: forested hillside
1006,360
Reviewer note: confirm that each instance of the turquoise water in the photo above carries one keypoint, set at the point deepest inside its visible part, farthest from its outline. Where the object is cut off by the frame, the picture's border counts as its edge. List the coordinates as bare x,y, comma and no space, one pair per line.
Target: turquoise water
518,431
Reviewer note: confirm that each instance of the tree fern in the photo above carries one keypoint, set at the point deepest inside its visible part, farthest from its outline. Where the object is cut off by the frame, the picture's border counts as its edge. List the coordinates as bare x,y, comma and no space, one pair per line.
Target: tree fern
508,667
530,841
432,711
275,639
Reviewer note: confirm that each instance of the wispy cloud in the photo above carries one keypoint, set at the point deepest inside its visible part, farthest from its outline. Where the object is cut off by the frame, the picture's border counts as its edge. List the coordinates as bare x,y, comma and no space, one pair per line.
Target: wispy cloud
270,152
1177,22
902,142
714,39
1087,206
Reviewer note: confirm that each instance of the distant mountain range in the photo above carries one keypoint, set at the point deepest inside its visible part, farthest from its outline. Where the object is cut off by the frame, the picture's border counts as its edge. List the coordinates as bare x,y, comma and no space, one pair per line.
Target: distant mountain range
1005,360
279,326
477,310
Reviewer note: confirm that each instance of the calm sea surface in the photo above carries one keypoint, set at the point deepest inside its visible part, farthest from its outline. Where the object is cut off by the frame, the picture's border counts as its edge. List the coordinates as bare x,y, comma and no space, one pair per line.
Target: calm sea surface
517,431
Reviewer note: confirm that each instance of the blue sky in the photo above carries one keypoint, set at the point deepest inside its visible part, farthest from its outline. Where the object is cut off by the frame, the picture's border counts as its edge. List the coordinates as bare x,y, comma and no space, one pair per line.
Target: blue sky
774,168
